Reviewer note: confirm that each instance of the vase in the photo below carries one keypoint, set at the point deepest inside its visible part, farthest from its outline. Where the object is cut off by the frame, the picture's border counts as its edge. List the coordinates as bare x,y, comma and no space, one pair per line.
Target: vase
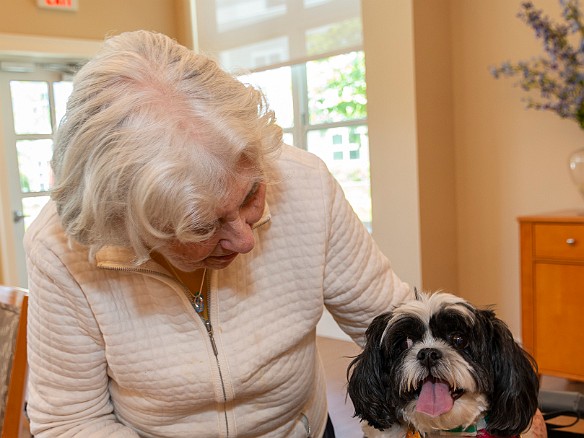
576,164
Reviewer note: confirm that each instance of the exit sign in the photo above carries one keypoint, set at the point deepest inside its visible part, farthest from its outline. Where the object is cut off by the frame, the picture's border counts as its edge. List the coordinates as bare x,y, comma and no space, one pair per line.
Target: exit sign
58,5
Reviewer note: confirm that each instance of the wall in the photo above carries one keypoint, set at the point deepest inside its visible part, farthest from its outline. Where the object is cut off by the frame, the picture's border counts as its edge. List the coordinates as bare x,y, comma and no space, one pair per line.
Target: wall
407,51
436,147
96,19
456,157
392,125
509,161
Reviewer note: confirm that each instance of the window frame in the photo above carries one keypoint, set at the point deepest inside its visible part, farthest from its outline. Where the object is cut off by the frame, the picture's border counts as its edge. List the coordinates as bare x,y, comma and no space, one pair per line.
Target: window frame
301,126
299,76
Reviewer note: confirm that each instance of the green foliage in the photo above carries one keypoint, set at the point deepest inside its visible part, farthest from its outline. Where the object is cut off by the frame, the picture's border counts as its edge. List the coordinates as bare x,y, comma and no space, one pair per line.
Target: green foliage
24,183
343,96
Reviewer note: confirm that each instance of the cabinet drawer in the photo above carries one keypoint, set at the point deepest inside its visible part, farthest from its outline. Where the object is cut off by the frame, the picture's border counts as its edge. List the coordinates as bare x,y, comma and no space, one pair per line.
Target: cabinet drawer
559,241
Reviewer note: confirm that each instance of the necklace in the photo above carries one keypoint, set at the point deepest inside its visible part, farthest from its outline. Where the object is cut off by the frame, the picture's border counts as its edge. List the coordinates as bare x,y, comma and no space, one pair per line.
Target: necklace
197,300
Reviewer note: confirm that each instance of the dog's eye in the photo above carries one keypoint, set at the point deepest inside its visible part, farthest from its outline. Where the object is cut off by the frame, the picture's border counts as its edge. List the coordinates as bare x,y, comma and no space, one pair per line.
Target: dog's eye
406,343
458,341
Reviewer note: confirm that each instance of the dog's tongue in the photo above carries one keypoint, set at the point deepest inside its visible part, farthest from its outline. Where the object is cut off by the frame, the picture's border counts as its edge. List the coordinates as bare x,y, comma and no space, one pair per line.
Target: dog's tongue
435,398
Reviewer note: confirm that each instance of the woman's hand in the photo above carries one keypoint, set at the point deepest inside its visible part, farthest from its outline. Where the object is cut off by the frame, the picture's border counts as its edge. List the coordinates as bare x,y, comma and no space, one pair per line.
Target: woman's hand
537,429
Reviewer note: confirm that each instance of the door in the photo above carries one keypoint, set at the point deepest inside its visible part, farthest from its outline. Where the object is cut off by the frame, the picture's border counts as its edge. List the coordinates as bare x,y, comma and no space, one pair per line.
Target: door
32,103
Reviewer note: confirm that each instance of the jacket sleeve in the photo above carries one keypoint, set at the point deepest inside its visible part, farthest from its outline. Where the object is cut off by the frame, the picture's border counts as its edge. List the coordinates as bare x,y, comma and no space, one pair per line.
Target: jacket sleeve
359,282
68,384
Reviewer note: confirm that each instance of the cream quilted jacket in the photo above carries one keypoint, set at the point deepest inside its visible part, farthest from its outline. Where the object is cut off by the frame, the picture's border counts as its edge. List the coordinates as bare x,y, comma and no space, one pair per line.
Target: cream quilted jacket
116,350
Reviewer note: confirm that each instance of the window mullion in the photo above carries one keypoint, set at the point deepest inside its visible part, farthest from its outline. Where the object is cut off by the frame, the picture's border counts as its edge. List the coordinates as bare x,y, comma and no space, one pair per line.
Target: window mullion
300,99
52,106
329,125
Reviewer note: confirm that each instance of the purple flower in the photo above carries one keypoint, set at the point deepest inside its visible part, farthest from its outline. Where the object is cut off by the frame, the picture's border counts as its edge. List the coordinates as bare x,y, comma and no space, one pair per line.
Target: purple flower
558,75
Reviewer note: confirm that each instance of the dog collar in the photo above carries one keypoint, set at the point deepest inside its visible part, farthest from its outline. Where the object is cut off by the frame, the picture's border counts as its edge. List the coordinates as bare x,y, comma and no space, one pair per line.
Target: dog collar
478,429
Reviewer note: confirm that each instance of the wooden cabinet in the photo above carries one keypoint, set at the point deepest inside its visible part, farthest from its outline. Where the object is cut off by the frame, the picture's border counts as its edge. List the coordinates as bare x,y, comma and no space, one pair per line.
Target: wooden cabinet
552,292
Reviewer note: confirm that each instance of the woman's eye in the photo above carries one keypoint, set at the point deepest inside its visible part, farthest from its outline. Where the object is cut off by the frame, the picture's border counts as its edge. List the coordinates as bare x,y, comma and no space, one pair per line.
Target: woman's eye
458,341
202,230
251,195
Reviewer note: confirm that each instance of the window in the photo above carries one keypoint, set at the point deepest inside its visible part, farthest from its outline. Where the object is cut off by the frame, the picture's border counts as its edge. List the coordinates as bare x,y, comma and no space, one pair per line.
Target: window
37,106
322,107
307,57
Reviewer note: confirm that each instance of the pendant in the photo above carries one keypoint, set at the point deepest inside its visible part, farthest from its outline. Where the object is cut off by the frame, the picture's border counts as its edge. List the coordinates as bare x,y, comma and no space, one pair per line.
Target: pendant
198,304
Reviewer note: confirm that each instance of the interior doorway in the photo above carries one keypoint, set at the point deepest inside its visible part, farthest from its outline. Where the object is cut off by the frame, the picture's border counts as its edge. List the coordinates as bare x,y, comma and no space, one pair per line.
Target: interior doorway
32,102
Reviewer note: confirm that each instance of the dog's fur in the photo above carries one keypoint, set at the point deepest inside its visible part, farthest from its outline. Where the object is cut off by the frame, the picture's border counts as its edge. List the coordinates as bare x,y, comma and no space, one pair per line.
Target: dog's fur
446,339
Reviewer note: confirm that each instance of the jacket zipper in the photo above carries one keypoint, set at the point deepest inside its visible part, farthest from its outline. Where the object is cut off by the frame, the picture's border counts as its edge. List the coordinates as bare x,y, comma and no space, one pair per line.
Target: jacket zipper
209,328
206,322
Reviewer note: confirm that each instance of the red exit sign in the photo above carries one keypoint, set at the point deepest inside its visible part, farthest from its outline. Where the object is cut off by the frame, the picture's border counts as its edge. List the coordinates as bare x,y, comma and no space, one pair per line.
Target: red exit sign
61,5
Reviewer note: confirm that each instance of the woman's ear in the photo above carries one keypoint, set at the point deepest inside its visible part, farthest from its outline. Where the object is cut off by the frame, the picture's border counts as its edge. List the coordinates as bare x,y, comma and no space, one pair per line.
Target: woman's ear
367,384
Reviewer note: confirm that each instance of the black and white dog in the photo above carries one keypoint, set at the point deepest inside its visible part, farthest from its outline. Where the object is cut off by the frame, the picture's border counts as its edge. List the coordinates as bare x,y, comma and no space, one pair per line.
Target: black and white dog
437,363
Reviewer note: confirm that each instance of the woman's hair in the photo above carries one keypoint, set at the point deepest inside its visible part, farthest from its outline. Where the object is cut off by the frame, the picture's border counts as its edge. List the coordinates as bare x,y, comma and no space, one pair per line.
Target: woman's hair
152,137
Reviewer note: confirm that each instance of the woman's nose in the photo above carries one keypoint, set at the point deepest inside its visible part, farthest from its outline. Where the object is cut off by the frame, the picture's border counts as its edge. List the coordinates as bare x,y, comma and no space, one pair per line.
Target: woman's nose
238,237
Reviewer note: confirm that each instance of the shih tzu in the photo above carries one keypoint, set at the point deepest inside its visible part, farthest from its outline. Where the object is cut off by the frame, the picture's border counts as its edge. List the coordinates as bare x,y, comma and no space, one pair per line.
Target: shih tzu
436,365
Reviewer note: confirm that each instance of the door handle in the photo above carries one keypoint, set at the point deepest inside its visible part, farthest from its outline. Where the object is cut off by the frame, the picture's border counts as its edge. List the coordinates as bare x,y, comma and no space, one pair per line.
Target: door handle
18,216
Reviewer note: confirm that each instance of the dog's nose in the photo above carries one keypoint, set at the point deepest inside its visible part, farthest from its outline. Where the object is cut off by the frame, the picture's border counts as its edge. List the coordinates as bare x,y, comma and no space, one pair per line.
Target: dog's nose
429,356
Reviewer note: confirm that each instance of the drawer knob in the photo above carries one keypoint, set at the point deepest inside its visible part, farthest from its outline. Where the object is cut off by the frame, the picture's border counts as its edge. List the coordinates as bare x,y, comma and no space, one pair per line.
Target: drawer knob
570,241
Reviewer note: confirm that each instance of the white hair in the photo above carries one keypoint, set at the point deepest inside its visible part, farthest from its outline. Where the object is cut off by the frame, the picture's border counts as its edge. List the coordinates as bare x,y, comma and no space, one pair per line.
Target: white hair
152,134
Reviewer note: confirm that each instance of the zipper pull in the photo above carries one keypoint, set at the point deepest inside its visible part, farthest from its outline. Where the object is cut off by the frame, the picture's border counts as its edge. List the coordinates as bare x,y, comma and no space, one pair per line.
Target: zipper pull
210,332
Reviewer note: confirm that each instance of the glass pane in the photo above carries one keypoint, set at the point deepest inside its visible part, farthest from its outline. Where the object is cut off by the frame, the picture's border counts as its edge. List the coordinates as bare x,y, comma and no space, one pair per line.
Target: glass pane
336,88
30,106
335,36
61,92
34,158
345,150
233,14
312,3
256,55
276,84
31,207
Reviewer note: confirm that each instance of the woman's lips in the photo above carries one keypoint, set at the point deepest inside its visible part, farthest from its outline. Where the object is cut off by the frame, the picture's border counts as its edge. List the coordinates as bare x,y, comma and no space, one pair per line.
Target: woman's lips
224,258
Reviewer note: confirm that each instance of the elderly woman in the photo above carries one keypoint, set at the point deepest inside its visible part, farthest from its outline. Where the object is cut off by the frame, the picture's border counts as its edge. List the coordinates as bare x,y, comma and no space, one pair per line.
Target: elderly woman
179,272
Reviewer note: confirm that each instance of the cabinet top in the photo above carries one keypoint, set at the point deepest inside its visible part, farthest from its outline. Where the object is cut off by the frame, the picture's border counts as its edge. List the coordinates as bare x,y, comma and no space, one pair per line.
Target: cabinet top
556,216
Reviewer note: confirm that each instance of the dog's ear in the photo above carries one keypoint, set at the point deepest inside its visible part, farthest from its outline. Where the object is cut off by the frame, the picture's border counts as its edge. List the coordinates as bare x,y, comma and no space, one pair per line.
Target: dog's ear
515,389
367,379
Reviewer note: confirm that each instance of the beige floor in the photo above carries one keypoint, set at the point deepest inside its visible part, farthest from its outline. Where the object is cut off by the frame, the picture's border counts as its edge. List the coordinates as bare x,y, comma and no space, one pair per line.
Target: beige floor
336,356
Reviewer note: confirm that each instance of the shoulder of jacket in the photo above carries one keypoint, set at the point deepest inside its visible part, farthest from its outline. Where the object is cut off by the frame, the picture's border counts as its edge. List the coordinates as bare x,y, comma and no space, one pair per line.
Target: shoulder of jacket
292,156
46,236
45,229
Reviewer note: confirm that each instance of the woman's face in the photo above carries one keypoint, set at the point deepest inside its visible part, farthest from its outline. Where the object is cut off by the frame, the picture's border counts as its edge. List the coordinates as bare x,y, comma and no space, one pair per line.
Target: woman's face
242,208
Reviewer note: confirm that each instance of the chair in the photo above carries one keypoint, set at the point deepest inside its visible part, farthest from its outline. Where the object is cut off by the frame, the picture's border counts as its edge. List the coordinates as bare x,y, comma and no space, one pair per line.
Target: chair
13,365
